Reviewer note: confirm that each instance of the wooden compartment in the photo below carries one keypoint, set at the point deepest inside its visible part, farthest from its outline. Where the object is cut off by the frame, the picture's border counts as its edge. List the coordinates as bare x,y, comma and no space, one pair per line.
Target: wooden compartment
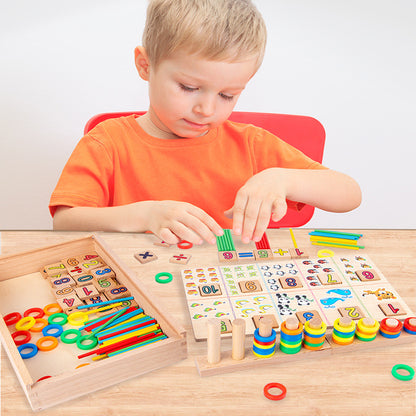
21,281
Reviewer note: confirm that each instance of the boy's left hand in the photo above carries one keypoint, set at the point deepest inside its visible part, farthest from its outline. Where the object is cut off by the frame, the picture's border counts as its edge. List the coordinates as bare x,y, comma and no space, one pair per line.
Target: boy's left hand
262,196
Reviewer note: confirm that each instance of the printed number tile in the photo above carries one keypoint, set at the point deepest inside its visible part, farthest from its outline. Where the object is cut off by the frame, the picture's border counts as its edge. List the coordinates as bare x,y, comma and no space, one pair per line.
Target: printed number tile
86,292
193,278
307,315
250,286
103,272
202,309
273,317
69,302
329,279
93,263
281,254
103,284
367,275
63,280
54,268
299,253
392,309
84,279
64,291
227,256
117,292
210,290
263,255
354,312
95,299
291,282
180,259
145,256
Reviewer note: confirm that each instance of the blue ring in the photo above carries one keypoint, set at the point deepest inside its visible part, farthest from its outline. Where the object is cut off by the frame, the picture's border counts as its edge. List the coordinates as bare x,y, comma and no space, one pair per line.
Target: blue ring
258,337
409,331
344,334
389,335
291,338
30,354
313,335
264,351
52,326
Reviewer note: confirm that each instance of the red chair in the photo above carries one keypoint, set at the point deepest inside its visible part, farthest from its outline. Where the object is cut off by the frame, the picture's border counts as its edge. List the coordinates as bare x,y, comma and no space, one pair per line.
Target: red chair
305,133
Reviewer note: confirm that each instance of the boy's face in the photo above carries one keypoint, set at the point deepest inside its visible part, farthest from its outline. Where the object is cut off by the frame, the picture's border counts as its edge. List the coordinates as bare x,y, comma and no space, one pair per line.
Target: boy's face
191,95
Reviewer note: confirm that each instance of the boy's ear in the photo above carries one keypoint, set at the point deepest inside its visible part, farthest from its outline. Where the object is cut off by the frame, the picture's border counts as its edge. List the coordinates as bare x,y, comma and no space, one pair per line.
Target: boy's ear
142,62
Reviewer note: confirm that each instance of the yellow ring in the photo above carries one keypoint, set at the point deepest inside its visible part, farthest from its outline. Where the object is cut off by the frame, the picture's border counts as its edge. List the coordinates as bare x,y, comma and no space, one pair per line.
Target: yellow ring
365,336
291,346
370,330
326,253
342,341
263,356
25,323
77,318
339,328
314,331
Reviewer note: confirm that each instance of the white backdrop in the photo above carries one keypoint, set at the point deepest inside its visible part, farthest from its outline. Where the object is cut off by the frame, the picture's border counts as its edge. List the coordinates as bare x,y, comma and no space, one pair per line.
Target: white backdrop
350,64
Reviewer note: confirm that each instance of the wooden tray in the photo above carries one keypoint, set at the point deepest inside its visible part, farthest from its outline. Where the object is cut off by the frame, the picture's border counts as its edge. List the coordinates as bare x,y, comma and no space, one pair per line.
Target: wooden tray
21,281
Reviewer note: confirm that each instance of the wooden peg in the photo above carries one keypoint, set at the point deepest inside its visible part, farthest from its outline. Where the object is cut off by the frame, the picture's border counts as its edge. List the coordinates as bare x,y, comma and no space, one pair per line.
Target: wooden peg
214,341
345,321
265,327
239,332
368,321
392,322
315,323
292,323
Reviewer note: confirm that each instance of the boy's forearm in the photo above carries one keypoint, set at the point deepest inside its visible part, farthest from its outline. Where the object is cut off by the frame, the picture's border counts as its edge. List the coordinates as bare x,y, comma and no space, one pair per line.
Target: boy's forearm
325,189
113,219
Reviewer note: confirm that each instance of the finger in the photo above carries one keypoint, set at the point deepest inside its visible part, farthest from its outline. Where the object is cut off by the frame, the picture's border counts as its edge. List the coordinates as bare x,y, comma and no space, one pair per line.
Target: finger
184,232
250,219
263,220
204,224
238,211
229,213
279,209
165,234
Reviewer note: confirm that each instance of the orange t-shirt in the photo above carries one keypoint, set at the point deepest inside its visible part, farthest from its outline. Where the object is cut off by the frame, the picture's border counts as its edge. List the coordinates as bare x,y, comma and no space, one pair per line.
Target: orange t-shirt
118,163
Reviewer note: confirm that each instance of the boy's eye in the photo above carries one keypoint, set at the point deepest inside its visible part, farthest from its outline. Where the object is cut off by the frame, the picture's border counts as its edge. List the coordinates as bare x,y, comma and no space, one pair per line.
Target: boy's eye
186,88
225,96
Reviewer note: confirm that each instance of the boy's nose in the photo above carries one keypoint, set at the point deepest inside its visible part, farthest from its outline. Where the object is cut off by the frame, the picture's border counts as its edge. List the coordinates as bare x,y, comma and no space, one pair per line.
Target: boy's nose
205,107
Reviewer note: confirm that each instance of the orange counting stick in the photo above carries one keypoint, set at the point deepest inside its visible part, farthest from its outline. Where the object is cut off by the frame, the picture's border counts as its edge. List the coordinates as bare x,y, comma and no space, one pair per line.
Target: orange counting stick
126,342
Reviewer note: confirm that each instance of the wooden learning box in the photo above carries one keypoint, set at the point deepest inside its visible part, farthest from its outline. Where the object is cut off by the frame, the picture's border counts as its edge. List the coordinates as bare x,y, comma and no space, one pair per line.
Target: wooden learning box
299,286
52,377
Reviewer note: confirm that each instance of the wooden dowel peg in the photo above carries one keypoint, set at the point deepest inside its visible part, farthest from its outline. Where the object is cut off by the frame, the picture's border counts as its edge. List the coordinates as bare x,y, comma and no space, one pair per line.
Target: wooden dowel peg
214,341
239,336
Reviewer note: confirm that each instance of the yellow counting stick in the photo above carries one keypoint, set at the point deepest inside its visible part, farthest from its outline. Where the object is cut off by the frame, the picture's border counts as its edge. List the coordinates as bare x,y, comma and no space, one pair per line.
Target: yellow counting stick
318,243
334,240
293,238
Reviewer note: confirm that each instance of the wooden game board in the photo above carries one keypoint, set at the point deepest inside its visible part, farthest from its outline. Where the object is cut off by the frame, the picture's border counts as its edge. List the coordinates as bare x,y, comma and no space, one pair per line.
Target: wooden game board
330,287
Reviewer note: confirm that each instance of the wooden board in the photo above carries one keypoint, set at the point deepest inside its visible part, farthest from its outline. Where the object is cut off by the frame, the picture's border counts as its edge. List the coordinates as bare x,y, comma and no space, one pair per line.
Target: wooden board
22,286
293,287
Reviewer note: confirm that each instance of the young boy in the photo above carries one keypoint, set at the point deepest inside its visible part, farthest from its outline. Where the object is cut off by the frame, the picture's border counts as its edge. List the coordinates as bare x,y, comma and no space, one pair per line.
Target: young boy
182,171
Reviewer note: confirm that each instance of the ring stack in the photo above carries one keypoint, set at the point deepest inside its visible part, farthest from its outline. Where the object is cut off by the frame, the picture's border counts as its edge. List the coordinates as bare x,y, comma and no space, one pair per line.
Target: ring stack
344,331
390,328
410,325
367,329
314,334
291,334
264,342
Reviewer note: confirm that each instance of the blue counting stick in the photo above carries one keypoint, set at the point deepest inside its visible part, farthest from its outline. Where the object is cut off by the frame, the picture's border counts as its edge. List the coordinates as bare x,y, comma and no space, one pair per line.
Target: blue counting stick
107,302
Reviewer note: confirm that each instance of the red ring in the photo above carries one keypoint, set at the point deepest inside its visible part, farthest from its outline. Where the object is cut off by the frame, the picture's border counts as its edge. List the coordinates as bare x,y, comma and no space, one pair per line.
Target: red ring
390,330
270,396
40,312
184,244
408,326
12,318
20,333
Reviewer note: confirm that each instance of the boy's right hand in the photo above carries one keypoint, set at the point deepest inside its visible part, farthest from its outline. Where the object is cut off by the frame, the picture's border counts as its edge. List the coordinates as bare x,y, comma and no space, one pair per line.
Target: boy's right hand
173,221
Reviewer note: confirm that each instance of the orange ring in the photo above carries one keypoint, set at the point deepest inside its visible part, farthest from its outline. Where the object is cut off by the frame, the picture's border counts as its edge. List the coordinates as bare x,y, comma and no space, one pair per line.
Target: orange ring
36,328
42,340
291,331
53,306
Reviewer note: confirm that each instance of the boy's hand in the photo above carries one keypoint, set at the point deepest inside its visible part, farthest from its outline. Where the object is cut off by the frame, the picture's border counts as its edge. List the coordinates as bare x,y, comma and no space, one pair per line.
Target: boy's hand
262,196
173,221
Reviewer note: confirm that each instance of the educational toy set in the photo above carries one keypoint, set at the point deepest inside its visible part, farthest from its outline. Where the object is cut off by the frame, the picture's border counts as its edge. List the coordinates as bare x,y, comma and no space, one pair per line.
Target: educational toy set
55,318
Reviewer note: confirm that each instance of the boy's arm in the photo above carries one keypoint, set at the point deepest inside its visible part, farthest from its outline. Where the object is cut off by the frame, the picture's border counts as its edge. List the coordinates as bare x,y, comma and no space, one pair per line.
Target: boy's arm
265,194
171,221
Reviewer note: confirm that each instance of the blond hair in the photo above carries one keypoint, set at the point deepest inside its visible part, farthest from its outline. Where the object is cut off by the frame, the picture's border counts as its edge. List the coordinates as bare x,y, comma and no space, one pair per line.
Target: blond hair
220,30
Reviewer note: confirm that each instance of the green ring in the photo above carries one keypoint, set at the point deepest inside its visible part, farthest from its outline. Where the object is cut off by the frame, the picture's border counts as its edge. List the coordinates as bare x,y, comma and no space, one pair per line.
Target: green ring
403,367
52,319
290,350
168,276
80,341
66,340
